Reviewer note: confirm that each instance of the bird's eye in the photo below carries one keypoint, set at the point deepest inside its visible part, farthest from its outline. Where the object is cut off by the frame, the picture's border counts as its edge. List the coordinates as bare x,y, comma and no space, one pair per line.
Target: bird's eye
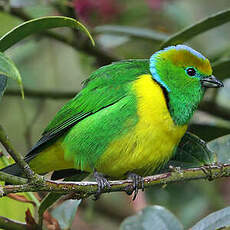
191,71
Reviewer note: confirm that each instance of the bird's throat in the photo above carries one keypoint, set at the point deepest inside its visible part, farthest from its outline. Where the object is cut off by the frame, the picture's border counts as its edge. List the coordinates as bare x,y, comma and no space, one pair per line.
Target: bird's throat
182,105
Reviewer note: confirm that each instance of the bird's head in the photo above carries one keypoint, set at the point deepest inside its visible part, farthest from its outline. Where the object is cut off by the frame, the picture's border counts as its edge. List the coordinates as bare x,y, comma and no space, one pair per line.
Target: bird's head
184,74
182,68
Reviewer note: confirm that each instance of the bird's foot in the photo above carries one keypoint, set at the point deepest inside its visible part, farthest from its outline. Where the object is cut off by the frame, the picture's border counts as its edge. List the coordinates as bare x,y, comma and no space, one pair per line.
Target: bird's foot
207,171
138,182
102,183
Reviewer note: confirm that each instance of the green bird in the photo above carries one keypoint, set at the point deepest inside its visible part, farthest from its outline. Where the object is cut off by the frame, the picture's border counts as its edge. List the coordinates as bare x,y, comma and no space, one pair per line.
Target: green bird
127,120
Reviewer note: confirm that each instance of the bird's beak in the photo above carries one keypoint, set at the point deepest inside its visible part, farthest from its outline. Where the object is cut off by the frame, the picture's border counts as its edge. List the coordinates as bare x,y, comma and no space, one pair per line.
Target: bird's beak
211,82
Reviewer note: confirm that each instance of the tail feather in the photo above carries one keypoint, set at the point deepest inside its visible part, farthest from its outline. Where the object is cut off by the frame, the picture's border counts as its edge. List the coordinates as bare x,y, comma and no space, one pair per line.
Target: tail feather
13,169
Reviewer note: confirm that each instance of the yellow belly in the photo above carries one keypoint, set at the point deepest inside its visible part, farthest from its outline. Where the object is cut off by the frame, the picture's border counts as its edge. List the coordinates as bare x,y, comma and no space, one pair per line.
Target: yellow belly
51,159
151,142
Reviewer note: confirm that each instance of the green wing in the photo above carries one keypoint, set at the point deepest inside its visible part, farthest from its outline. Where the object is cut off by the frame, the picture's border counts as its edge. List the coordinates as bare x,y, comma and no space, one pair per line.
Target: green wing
105,87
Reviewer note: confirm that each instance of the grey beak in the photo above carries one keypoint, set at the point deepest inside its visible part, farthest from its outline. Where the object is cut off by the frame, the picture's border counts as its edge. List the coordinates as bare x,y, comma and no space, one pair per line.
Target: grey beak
211,82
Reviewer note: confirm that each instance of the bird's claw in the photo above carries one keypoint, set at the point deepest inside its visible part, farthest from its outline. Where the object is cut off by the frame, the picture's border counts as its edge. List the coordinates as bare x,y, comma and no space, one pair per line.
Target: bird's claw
208,172
138,182
102,183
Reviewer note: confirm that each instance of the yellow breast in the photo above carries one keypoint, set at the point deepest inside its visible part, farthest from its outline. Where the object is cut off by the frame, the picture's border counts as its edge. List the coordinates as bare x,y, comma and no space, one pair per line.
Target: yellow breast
151,142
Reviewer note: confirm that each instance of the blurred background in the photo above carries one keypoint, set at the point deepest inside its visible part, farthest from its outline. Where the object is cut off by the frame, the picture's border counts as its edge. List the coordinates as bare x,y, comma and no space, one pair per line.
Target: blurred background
52,73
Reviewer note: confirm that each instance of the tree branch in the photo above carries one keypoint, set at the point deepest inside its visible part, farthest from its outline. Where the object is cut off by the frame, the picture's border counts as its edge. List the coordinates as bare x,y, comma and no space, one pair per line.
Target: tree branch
86,189
15,155
215,109
12,179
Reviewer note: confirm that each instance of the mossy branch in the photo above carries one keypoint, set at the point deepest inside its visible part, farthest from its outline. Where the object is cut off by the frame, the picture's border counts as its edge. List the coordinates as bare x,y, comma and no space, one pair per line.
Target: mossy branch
4,140
86,189
15,155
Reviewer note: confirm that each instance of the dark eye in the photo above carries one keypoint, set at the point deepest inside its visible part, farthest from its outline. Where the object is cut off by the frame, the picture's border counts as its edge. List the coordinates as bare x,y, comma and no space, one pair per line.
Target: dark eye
191,71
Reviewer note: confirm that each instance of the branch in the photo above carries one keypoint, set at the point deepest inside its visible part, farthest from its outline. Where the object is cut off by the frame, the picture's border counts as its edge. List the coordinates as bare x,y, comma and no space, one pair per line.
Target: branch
15,155
86,189
41,94
12,179
9,224
215,109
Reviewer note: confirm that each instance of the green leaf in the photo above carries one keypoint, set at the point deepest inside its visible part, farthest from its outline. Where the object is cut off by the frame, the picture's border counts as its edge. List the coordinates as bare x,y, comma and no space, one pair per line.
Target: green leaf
215,220
38,25
48,201
204,25
221,69
65,213
133,32
152,218
192,152
8,69
221,146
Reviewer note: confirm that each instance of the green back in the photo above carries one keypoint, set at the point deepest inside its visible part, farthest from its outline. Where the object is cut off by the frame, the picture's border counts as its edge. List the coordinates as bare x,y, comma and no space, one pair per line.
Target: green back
103,88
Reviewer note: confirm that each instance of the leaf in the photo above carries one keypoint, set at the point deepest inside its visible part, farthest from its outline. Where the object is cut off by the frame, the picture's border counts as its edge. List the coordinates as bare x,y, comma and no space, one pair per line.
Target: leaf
65,213
8,69
221,69
38,25
221,146
13,209
21,198
215,220
48,200
133,32
152,218
204,25
192,152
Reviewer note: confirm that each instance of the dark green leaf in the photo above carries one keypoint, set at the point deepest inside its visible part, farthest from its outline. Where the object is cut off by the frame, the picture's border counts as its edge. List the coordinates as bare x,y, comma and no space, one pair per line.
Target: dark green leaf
210,131
38,25
65,213
8,69
152,218
204,25
215,220
221,69
134,32
48,200
192,152
221,146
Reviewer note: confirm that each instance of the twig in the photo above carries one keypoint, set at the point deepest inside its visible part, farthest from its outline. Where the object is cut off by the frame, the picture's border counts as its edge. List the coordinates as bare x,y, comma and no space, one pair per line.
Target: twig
9,224
15,155
86,189
215,109
41,94
12,179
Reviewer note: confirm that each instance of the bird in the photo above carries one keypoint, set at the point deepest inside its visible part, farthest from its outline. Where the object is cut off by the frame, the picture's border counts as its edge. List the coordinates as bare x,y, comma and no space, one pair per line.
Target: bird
127,120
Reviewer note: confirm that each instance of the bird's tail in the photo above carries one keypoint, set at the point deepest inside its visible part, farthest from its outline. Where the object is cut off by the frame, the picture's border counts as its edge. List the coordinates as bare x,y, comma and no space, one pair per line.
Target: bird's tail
13,169
69,174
